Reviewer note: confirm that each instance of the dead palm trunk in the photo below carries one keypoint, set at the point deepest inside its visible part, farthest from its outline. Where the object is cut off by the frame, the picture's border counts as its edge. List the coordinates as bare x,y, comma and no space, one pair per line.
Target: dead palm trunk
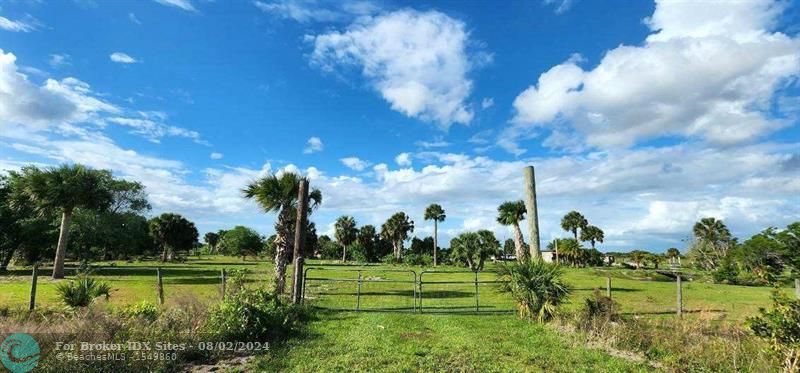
61,249
344,252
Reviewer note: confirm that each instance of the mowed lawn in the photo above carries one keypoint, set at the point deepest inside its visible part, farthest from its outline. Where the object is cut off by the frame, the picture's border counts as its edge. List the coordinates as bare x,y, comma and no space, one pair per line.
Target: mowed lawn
389,335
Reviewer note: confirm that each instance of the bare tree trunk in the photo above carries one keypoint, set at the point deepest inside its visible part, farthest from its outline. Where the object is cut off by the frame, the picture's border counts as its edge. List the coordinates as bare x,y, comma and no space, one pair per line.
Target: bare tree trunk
299,242
435,239
344,252
61,249
533,212
519,244
164,251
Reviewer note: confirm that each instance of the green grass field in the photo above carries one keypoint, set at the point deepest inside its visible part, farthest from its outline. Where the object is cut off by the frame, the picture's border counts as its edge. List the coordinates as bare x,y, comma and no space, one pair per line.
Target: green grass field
448,335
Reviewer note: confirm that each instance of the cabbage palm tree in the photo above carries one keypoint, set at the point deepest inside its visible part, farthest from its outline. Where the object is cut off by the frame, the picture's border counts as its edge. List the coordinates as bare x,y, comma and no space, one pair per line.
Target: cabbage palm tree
435,212
573,221
712,241
61,190
279,194
396,230
592,234
346,233
473,248
511,213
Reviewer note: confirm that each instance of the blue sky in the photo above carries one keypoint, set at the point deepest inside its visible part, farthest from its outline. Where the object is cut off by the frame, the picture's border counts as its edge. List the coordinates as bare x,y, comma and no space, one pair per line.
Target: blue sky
644,116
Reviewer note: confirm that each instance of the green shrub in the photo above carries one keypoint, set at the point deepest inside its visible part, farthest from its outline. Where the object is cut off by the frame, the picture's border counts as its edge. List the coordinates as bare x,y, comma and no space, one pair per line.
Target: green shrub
536,286
81,291
601,307
418,259
780,326
143,310
252,315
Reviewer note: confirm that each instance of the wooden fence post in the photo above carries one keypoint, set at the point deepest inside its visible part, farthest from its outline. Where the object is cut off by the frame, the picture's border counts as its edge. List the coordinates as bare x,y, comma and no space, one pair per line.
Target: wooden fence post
224,281
160,286
680,296
34,277
608,286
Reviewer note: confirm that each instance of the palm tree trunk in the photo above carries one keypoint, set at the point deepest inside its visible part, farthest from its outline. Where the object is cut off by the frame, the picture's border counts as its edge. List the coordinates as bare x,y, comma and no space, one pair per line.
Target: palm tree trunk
435,239
283,231
519,244
61,249
164,251
344,252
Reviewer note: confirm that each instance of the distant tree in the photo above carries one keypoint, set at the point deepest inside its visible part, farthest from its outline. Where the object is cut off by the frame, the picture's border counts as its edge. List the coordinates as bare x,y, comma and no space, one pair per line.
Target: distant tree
638,257
421,246
761,255
279,194
790,239
570,251
592,234
22,231
511,213
242,241
473,248
346,233
396,230
673,253
368,241
63,189
212,239
712,241
508,247
328,248
173,233
572,222
436,213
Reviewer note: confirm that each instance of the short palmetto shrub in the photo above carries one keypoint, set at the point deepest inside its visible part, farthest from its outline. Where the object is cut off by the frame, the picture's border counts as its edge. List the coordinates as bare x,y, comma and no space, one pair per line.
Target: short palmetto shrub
81,291
536,286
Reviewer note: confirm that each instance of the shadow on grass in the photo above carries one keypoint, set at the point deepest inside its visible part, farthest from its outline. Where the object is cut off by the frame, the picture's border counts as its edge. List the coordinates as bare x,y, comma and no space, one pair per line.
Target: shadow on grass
613,290
674,312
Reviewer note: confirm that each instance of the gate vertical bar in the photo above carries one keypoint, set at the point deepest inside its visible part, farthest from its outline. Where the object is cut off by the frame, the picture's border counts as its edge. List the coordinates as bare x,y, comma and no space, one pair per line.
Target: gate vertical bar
477,306
420,291
414,307
358,293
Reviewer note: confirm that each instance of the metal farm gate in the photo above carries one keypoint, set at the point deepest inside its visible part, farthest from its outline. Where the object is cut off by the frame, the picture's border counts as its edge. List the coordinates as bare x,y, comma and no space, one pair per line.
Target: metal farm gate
343,289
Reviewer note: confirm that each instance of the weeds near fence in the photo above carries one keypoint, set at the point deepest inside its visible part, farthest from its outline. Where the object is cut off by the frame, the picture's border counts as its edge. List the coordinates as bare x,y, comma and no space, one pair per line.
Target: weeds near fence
702,342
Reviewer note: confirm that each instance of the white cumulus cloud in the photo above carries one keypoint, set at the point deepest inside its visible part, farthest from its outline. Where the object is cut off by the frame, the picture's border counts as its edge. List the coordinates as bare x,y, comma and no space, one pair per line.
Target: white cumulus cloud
313,145
123,58
417,61
708,70
355,163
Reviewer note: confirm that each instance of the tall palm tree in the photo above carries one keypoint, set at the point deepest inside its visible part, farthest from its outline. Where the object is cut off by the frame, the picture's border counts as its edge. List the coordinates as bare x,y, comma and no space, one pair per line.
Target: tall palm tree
435,212
573,221
279,194
396,230
592,234
712,241
63,189
511,213
346,233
